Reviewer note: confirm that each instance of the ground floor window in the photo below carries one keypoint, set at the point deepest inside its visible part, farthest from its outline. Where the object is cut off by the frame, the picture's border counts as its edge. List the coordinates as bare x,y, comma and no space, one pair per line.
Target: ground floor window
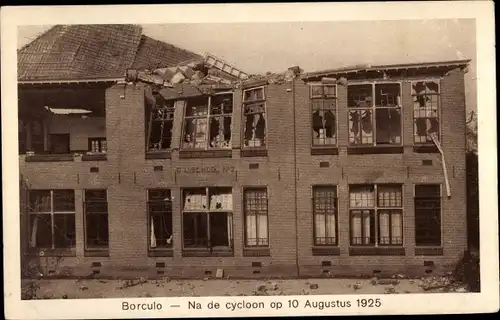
51,219
207,218
376,215
255,211
428,215
96,220
325,215
160,219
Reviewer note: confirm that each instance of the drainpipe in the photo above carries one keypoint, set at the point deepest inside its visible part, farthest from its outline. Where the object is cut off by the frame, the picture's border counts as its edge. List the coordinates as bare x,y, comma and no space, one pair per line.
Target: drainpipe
295,180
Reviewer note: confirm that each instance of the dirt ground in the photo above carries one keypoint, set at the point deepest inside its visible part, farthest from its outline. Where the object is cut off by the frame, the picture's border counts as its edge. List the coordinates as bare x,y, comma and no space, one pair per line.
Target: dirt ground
95,288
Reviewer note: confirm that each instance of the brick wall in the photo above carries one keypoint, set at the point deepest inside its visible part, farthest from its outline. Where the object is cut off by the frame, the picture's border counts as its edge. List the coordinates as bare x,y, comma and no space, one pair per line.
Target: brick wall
127,175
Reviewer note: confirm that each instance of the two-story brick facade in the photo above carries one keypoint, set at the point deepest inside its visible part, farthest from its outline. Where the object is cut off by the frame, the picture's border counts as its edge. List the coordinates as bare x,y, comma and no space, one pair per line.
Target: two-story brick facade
332,173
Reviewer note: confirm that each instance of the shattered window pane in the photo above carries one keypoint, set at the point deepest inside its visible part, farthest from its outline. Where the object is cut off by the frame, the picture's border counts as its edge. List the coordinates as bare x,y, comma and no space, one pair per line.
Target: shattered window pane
388,122
425,110
324,110
207,123
255,125
360,96
160,125
207,219
361,126
160,219
253,95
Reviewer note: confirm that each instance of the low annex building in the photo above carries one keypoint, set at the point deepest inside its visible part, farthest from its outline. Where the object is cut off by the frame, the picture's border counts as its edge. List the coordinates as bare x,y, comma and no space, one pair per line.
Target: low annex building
168,162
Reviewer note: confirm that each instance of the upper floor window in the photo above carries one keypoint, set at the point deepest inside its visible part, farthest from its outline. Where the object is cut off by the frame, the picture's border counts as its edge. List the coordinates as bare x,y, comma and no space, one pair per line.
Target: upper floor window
374,114
425,96
97,145
52,219
376,213
207,122
254,115
324,114
161,121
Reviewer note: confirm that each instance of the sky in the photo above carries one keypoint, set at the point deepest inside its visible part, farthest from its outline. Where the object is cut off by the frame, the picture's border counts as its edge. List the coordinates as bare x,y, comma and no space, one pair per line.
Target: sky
262,47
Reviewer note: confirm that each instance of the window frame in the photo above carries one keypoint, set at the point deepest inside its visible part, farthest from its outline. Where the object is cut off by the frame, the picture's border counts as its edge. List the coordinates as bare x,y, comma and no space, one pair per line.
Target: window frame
52,212
244,114
373,109
324,97
375,211
336,214
170,109
99,140
88,248
208,117
245,212
441,215
207,212
439,115
148,222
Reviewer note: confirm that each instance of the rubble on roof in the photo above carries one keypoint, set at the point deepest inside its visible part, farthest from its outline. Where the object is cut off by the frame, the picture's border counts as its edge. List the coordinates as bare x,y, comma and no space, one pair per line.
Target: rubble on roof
197,77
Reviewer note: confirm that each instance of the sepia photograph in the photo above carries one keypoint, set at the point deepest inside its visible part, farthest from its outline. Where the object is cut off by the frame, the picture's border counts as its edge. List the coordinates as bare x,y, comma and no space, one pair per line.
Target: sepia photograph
336,159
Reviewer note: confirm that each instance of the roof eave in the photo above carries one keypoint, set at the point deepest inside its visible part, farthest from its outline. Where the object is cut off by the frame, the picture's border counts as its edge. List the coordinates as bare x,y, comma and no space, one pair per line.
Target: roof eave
68,81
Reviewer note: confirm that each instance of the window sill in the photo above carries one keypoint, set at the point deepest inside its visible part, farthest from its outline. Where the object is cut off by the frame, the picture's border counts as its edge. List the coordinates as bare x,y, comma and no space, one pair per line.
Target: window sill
377,251
254,152
431,148
96,253
35,252
190,154
324,150
94,157
158,155
375,149
49,158
161,253
325,251
202,252
428,251
256,252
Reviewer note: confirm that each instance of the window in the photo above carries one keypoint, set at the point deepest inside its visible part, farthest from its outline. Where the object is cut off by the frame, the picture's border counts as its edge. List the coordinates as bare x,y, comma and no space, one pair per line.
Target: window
207,122
60,143
97,145
207,218
161,121
374,114
37,135
254,113
160,219
324,112
428,215
425,110
96,220
255,209
325,215
376,221
52,219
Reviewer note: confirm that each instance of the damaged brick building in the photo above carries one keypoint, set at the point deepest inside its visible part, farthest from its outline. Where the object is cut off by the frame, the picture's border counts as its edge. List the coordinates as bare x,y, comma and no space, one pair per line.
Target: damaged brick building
147,159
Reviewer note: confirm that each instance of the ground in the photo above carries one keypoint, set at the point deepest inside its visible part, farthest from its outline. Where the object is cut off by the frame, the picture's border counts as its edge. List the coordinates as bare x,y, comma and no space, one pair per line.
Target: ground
100,288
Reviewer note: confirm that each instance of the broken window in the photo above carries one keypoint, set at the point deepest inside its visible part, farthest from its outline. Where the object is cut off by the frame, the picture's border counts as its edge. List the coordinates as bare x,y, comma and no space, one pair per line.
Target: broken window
52,219
98,145
255,209
325,215
96,219
324,111
428,215
207,218
425,110
374,114
60,143
254,114
160,219
161,121
207,122
376,221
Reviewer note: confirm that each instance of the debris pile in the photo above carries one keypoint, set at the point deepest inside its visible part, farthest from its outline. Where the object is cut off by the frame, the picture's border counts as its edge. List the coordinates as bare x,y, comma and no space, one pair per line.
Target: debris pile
441,283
